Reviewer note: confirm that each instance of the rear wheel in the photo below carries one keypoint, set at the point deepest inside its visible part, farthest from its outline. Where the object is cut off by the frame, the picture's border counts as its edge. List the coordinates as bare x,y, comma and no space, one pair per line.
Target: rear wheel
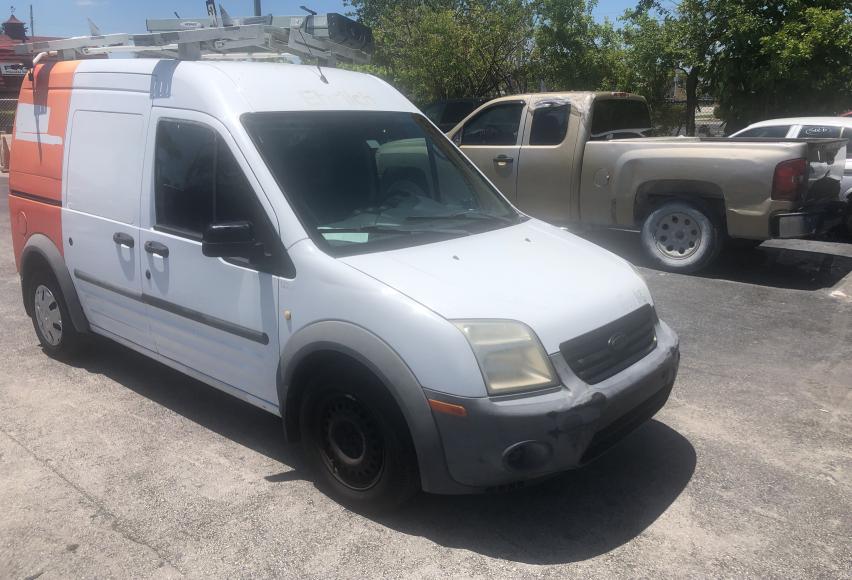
50,316
357,443
680,237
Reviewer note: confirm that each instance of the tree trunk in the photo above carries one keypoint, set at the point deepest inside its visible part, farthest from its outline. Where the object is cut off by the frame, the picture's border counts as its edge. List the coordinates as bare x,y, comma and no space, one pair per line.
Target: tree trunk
691,100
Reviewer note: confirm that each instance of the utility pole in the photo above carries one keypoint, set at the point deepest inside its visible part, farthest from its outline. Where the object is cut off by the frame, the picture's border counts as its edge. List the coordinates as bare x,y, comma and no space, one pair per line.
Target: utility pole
257,8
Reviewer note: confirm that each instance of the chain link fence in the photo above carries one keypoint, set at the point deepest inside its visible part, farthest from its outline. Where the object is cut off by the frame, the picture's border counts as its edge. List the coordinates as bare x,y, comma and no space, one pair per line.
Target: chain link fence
7,114
670,118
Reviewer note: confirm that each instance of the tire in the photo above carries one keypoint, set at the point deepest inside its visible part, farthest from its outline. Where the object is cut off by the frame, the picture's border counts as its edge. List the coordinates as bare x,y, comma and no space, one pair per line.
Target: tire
50,316
356,442
679,236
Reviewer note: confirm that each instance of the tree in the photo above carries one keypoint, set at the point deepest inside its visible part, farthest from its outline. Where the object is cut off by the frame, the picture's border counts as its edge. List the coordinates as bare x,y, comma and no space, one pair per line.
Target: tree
572,50
790,57
662,41
446,49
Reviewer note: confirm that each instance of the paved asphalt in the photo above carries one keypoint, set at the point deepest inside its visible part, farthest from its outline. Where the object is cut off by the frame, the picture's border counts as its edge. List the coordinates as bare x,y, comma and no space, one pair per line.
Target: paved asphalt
119,467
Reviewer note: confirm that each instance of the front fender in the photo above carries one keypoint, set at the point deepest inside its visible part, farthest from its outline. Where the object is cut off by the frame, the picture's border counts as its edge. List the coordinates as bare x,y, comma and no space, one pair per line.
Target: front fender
378,356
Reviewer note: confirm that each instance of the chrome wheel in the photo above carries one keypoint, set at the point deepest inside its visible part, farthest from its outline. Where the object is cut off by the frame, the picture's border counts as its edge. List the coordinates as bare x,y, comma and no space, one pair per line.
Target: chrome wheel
351,442
48,316
677,235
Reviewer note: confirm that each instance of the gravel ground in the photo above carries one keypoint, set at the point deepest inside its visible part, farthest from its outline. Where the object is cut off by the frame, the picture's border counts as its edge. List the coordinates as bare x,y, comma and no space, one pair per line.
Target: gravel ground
116,466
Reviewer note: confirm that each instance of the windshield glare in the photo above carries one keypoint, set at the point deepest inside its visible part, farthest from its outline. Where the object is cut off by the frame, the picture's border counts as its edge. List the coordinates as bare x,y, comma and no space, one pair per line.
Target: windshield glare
364,181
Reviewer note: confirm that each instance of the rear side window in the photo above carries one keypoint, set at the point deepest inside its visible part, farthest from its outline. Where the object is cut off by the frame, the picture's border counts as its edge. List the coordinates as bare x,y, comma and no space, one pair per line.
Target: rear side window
105,173
771,132
549,125
497,125
198,181
819,131
612,115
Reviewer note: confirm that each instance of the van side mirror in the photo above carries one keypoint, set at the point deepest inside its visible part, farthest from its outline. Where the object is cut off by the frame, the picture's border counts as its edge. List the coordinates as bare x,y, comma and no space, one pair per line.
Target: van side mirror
229,240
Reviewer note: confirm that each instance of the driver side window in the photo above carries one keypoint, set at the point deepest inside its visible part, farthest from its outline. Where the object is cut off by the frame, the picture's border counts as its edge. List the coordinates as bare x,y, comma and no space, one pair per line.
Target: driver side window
496,125
198,181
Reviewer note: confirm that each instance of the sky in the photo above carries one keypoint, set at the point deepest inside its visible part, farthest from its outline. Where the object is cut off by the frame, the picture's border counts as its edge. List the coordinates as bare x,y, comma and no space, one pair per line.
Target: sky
68,17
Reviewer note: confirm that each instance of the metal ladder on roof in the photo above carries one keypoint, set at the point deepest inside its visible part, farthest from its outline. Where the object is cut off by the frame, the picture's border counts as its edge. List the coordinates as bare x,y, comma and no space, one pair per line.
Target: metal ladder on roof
298,36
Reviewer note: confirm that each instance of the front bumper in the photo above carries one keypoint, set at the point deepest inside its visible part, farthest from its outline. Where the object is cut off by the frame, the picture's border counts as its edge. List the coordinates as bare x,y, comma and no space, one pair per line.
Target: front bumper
508,439
808,221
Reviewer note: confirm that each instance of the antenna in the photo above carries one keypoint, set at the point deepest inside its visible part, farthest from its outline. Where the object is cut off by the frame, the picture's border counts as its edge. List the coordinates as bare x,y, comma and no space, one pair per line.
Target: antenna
226,18
93,28
305,25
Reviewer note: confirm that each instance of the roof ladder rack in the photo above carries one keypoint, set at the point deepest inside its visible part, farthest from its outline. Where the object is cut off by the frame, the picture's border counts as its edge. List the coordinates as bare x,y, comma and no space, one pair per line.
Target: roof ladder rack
299,36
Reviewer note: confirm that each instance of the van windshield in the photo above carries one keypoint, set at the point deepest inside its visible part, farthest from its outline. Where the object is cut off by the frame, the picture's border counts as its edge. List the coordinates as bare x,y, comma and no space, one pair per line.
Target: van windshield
365,181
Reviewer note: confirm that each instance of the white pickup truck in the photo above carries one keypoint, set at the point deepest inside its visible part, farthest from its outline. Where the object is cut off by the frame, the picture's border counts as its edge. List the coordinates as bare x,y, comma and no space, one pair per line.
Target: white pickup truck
582,157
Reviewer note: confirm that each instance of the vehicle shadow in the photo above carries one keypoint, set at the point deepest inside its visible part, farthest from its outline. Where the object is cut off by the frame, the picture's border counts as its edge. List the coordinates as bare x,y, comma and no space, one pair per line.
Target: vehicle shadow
797,268
575,516
572,517
198,402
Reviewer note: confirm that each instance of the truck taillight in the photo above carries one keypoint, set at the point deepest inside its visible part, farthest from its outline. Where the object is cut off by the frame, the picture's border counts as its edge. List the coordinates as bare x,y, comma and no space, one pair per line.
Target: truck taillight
788,183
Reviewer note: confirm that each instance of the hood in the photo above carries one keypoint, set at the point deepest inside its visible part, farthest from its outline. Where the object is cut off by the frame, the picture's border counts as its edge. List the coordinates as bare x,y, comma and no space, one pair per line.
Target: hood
557,283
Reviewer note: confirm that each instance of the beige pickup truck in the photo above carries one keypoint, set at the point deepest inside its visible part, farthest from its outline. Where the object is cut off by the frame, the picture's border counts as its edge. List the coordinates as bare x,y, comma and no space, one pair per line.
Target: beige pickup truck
582,157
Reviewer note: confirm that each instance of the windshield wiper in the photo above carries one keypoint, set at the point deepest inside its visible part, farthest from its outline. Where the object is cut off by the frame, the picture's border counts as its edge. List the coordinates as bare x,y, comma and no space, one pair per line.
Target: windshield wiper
471,215
388,230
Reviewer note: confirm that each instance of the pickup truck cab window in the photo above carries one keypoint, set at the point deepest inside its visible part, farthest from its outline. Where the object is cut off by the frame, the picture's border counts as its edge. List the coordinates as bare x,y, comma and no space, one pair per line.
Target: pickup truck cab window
549,124
364,181
497,125
619,118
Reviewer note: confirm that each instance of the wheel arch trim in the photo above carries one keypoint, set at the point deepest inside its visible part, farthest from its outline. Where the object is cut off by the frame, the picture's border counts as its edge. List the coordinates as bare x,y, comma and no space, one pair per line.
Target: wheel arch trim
380,358
40,246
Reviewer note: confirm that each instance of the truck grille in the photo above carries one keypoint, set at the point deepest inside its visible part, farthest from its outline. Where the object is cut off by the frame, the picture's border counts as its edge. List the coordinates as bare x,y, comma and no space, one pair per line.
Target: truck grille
601,353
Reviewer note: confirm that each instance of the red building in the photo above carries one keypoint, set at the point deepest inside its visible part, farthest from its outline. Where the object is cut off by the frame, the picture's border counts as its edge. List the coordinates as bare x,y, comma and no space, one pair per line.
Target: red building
13,67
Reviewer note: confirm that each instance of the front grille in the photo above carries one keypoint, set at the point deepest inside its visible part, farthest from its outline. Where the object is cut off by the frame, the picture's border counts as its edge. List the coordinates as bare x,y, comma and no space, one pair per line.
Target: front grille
601,353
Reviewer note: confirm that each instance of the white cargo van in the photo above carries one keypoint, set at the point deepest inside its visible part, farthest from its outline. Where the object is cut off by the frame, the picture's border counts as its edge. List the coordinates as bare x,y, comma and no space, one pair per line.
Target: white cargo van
308,242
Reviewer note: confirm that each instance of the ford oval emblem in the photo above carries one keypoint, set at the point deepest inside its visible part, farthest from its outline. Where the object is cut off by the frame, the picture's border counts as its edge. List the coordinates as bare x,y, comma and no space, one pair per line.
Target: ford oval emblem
617,342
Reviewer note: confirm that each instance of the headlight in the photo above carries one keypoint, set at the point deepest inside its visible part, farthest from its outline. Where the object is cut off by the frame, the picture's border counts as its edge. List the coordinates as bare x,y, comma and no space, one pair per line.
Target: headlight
509,354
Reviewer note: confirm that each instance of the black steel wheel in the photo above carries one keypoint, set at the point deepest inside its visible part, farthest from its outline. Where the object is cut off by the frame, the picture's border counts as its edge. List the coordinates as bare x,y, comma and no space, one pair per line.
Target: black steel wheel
353,448
356,441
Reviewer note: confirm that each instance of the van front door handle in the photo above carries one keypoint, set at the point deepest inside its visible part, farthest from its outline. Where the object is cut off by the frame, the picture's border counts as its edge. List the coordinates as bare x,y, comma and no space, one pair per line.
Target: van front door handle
123,239
157,248
503,160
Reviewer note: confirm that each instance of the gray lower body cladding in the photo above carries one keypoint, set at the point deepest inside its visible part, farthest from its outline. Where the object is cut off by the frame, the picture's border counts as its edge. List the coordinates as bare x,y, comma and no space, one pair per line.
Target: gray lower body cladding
505,440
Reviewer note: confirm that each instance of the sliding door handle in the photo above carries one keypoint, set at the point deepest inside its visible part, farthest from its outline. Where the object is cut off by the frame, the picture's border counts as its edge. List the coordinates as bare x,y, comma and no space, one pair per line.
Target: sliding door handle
123,239
157,249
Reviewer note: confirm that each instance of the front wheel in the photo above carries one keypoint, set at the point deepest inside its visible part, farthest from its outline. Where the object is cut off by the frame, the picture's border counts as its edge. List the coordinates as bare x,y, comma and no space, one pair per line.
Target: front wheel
680,237
356,442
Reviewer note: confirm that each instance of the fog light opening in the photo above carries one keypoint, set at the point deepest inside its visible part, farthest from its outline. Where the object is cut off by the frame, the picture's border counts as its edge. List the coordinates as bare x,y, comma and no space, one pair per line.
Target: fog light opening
527,455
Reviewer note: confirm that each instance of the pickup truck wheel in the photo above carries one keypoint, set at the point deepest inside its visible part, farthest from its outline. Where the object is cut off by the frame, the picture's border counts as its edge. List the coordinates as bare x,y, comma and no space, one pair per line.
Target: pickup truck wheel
356,442
680,237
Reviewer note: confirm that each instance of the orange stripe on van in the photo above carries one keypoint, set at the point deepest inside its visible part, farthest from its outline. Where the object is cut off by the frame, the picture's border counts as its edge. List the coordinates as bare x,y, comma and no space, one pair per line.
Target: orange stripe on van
38,145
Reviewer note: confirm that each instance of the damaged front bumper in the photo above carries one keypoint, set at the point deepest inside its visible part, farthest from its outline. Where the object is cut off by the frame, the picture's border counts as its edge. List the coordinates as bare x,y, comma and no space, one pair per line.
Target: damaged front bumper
508,439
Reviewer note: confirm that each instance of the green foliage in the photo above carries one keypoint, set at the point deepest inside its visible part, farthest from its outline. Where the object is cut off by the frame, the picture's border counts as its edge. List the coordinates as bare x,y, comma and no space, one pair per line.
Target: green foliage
759,58
571,50
445,49
791,57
